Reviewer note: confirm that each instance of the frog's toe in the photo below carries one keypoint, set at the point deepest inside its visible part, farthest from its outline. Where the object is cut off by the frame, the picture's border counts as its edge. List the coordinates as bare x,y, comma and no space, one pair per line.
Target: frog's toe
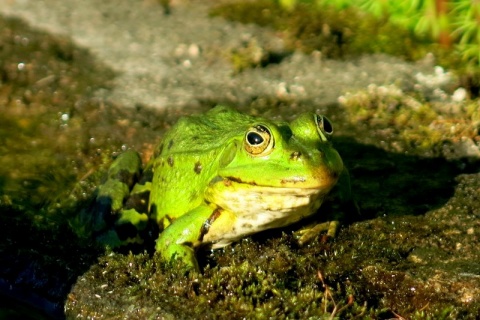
307,235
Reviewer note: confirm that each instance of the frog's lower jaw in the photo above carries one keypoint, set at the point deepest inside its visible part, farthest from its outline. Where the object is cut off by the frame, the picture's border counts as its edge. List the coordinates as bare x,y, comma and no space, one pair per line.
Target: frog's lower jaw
252,209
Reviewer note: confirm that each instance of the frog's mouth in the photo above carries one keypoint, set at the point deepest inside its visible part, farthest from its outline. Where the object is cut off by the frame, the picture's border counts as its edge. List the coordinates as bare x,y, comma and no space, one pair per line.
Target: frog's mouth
325,182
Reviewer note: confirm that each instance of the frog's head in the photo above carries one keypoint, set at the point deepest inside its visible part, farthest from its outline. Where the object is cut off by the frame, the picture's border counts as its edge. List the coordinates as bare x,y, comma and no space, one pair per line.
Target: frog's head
274,174
282,155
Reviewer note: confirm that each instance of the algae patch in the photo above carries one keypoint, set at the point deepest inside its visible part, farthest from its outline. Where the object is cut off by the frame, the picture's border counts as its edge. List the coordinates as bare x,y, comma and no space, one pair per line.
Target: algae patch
410,121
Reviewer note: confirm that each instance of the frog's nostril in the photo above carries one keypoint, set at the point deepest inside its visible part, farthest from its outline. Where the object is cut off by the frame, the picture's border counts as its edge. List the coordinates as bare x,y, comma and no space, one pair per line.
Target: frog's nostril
295,155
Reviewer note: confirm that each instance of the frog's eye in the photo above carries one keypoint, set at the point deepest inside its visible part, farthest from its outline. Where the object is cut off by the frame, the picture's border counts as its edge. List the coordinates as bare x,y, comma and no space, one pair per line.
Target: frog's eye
324,127
258,140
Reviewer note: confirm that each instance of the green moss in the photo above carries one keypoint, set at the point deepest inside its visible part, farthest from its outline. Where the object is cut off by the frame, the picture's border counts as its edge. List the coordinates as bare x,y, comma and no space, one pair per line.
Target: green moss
251,55
420,125
249,289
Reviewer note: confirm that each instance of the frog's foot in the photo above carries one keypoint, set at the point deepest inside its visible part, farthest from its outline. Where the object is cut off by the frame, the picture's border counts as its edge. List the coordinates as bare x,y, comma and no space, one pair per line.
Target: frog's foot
307,235
178,241
177,252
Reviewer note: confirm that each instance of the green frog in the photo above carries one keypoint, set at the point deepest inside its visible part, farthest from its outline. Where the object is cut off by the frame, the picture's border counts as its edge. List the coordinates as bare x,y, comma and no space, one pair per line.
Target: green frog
220,176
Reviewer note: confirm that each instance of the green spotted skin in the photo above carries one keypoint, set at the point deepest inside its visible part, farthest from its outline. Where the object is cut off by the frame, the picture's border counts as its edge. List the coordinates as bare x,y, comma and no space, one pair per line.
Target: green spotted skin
223,175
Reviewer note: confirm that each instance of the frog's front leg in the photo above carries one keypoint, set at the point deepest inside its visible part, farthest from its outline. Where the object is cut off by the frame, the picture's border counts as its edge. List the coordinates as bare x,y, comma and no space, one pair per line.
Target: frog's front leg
179,240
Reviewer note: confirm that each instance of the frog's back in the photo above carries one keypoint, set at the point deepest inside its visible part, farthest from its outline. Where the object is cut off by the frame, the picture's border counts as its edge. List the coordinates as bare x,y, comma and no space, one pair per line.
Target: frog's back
198,133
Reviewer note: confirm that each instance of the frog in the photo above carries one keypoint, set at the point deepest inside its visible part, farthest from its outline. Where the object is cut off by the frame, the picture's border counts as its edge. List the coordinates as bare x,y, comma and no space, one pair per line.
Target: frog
217,177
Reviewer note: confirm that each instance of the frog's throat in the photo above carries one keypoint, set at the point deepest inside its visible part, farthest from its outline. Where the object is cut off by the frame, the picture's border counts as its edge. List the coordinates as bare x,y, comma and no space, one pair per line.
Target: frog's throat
254,208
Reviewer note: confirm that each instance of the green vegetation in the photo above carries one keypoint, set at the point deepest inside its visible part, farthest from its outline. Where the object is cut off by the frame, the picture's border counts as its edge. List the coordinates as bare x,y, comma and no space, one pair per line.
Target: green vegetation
451,23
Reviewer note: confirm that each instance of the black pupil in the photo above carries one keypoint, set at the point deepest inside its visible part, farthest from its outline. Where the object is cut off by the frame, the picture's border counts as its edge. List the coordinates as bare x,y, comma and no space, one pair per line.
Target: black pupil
327,126
254,138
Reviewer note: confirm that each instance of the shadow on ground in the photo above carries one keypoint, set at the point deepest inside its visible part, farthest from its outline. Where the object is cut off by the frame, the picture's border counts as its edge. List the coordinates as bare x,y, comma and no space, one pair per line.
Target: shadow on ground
392,184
